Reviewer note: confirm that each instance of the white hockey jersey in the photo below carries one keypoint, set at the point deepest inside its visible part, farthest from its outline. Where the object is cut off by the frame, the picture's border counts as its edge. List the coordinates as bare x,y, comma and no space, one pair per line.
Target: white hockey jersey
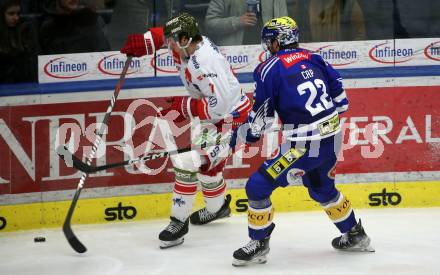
209,79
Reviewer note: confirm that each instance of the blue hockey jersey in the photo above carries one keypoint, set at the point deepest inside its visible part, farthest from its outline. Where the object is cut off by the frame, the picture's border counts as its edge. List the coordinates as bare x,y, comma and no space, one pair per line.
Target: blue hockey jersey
304,90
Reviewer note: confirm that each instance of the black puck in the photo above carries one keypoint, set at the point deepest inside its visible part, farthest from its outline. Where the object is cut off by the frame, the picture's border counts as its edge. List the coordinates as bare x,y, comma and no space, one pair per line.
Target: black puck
39,239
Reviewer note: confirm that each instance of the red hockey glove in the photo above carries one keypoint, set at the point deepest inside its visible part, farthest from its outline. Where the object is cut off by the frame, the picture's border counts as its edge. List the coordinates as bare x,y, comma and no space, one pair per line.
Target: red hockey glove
185,106
139,45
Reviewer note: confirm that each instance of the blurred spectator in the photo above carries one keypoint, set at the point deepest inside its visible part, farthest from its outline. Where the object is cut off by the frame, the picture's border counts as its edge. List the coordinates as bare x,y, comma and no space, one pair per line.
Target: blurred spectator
71,28
387,19
196,8
230,22
297,10
378,16
417,19
335,20
130,16
96,4
103,8
31,7
328,20
325,18
18,45
352,21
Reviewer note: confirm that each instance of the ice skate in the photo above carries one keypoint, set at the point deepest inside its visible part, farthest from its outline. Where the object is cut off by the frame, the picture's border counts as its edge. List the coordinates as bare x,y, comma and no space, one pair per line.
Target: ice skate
354,240
203,216
254,252
173,234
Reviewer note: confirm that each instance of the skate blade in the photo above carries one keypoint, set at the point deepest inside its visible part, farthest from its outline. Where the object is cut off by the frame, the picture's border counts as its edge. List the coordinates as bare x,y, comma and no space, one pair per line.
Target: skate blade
206,222
368,249
359,249
168,244
257,260
225,216
364,246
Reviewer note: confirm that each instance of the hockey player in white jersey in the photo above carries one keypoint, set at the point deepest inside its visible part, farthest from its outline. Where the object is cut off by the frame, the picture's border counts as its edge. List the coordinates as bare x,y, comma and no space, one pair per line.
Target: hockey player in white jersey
216,101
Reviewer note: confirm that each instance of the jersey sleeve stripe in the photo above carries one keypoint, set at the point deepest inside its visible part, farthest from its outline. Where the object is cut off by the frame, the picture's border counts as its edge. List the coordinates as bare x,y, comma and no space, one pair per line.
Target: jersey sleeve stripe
268,64
188,107
340,97
202,109
205,108
244,105
342,109
267,68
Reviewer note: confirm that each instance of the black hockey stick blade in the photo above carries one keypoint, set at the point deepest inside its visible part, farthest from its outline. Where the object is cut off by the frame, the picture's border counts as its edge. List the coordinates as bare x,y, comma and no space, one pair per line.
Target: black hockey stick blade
75,162
72,239
67,228
72,161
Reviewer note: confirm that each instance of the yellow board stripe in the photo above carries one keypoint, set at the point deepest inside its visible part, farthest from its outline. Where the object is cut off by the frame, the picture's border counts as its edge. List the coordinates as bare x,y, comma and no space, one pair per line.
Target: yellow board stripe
292,198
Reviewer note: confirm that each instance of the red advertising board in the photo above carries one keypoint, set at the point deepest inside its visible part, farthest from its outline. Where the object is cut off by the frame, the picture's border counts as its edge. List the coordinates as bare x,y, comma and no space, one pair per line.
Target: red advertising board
386,130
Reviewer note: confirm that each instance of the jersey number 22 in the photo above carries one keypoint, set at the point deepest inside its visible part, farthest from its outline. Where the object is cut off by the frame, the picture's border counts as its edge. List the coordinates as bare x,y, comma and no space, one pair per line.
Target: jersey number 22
314,87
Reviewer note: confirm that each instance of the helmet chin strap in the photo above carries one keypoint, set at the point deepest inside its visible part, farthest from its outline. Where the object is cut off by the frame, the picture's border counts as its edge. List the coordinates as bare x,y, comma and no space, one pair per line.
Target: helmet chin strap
268,46
185,48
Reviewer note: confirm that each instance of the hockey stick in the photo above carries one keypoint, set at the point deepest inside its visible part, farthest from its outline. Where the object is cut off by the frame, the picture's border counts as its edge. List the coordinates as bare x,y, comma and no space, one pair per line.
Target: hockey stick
78,164
67,228
71,159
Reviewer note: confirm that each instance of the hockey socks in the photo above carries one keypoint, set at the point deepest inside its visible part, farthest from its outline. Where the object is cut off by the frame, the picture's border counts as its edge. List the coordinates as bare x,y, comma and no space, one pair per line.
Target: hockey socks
354,237
185,188
213,190
260,215
216,205
340,212
184,192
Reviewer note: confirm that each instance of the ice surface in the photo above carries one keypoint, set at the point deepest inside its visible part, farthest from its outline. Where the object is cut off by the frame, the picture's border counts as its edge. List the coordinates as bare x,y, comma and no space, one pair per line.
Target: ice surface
407,241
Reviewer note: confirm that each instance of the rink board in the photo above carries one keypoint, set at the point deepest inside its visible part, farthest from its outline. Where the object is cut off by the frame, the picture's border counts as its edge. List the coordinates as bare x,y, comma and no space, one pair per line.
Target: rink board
390,155
386,130
154,206
243,59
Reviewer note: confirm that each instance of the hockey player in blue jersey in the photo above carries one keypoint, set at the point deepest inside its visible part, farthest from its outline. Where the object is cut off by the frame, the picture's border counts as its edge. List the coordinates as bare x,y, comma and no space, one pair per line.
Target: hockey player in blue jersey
308,96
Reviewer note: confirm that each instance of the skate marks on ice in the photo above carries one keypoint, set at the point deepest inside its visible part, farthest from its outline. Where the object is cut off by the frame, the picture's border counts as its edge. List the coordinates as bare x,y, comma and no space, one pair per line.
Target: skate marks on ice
406,242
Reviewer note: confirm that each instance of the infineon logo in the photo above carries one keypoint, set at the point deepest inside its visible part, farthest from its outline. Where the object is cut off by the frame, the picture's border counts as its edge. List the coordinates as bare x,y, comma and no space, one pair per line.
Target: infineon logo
112,65
432,51
65,68
263,56
383,53
237,61
164,63
337,57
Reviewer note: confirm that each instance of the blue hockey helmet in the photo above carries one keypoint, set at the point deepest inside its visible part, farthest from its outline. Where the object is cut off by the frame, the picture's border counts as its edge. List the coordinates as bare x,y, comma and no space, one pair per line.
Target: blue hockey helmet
283,29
